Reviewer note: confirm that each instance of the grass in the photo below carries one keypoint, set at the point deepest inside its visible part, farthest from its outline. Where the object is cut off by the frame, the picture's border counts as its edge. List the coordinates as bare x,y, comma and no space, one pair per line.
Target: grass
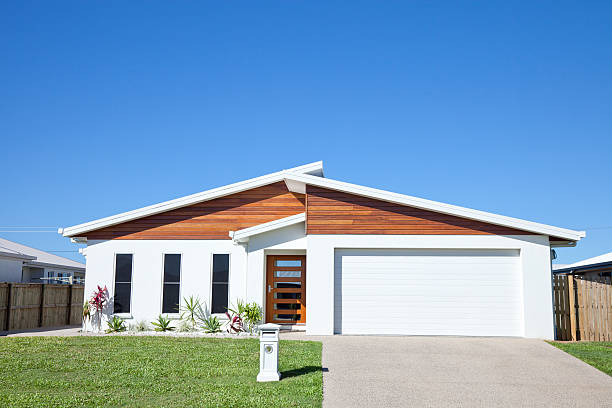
597,354
154,371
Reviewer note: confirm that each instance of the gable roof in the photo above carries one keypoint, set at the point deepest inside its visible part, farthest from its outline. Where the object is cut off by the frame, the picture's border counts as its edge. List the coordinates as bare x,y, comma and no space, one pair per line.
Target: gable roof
36,257
298,182
312,174
314,169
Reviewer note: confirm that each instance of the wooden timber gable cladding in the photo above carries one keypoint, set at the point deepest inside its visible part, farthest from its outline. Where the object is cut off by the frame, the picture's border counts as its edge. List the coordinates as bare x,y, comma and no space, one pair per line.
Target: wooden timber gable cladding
336,212
211,219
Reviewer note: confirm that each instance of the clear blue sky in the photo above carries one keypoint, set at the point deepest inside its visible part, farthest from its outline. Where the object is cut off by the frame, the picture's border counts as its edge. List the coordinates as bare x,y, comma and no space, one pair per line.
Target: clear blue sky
500,106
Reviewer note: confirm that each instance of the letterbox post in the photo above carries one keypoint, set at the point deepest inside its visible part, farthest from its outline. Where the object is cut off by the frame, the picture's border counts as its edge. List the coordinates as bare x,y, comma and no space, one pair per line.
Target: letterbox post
268,353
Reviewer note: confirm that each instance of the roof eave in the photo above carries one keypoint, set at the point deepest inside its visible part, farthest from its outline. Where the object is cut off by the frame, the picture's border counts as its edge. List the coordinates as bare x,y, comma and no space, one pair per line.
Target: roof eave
54,265
243,235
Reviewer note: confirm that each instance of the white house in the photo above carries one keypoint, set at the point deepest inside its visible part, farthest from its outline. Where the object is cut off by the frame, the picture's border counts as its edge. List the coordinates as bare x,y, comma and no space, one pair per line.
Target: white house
21,263
331,256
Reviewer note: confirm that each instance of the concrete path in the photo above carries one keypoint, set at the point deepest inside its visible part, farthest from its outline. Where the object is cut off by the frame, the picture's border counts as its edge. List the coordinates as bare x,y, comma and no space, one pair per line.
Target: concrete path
44,331
369,371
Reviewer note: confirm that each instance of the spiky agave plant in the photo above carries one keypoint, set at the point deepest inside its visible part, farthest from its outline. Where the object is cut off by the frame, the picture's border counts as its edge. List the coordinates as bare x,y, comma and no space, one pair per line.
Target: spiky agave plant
115,325
162,324
211,324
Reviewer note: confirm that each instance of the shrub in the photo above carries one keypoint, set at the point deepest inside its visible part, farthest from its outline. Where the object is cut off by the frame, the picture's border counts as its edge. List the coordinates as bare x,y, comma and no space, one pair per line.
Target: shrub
162,324
115,325
184,326
139,326
211,324
252,316
99,298
86,311
243,317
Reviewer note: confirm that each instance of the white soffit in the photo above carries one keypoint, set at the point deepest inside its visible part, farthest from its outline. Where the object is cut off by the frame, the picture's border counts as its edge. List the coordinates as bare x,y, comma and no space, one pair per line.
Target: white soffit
312,170
244,234
298,182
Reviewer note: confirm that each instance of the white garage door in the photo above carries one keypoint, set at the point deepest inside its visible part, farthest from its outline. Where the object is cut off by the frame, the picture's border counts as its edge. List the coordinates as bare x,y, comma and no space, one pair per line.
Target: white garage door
428,292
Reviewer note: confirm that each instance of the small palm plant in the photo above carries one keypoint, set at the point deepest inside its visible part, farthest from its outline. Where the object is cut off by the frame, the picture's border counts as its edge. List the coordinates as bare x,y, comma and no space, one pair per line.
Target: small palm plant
162,324
191,310
115,325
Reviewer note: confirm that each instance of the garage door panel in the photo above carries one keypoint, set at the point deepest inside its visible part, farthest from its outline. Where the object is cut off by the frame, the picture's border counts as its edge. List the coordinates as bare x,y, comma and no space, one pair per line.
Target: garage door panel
428,292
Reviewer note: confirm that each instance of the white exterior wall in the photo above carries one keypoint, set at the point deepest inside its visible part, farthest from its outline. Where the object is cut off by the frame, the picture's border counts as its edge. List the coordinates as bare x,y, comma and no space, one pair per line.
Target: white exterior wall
247,269
147,271
10,269
535,265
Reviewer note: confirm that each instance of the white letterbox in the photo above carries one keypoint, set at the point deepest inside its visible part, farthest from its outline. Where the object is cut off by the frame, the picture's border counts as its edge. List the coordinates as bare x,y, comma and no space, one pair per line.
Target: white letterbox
268,353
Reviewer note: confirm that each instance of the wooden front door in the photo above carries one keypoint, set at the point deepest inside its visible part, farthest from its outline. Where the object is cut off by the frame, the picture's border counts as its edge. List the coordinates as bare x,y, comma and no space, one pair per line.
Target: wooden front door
286,289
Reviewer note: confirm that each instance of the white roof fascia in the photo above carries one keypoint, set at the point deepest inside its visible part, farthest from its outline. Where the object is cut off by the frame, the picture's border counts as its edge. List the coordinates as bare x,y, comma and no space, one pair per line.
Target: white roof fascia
244,234
74,231
18,256
438,207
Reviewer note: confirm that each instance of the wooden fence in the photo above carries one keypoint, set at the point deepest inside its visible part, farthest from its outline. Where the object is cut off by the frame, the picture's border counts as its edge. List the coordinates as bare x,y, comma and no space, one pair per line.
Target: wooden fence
31,305
582,308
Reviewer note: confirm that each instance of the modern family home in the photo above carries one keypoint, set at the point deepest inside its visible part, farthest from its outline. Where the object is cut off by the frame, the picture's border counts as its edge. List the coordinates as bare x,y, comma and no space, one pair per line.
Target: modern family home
21,263
331,256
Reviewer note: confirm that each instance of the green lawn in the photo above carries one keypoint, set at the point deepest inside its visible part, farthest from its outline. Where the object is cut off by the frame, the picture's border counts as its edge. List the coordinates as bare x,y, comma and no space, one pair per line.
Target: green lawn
154,371
597,354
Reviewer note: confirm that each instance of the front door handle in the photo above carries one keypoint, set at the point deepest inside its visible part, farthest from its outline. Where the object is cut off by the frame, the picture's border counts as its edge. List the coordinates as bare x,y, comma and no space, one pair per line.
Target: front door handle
269,288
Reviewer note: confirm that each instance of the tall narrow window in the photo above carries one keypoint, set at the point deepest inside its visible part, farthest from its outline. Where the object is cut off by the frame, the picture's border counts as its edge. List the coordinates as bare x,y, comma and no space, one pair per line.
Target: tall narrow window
123,283
220,283
172,283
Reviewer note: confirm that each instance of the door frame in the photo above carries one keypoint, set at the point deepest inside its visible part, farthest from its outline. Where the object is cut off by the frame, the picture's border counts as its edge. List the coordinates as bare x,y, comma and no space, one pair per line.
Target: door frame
270,290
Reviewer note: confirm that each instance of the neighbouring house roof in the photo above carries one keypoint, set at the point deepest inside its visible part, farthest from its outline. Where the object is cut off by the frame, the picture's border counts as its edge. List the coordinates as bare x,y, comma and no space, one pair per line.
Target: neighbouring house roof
591,261
36,257
596,262
298,178
559,266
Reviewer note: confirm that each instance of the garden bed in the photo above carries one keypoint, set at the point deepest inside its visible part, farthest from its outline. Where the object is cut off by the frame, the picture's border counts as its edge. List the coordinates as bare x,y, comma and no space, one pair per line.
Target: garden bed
174,333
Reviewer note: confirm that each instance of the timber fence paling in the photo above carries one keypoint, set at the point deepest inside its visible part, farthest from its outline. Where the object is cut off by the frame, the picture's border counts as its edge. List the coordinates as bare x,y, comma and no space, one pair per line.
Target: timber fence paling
31,305
583,307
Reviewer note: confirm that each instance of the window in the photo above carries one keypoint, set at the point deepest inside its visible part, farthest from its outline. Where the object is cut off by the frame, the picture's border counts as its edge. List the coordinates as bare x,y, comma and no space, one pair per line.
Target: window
123,283
172,283
220,283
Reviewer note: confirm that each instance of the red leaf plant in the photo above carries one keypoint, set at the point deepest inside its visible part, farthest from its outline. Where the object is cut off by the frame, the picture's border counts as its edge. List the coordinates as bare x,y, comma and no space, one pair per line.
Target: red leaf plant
99,298
235,323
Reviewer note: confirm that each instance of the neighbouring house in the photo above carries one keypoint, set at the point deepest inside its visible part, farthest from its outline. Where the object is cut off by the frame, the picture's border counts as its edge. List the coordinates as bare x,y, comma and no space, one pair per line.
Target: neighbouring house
330,256
558,266
21,263
596,267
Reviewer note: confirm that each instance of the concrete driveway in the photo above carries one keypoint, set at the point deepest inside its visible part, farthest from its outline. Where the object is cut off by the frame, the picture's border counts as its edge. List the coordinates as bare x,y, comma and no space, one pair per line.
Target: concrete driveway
369,371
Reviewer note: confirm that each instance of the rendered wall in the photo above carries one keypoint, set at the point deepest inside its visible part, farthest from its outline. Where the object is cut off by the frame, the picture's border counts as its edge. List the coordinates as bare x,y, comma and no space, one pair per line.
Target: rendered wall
147,273
535,264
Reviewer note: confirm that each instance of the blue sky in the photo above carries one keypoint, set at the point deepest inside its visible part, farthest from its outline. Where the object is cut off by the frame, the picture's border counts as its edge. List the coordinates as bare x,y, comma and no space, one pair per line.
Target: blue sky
499,106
